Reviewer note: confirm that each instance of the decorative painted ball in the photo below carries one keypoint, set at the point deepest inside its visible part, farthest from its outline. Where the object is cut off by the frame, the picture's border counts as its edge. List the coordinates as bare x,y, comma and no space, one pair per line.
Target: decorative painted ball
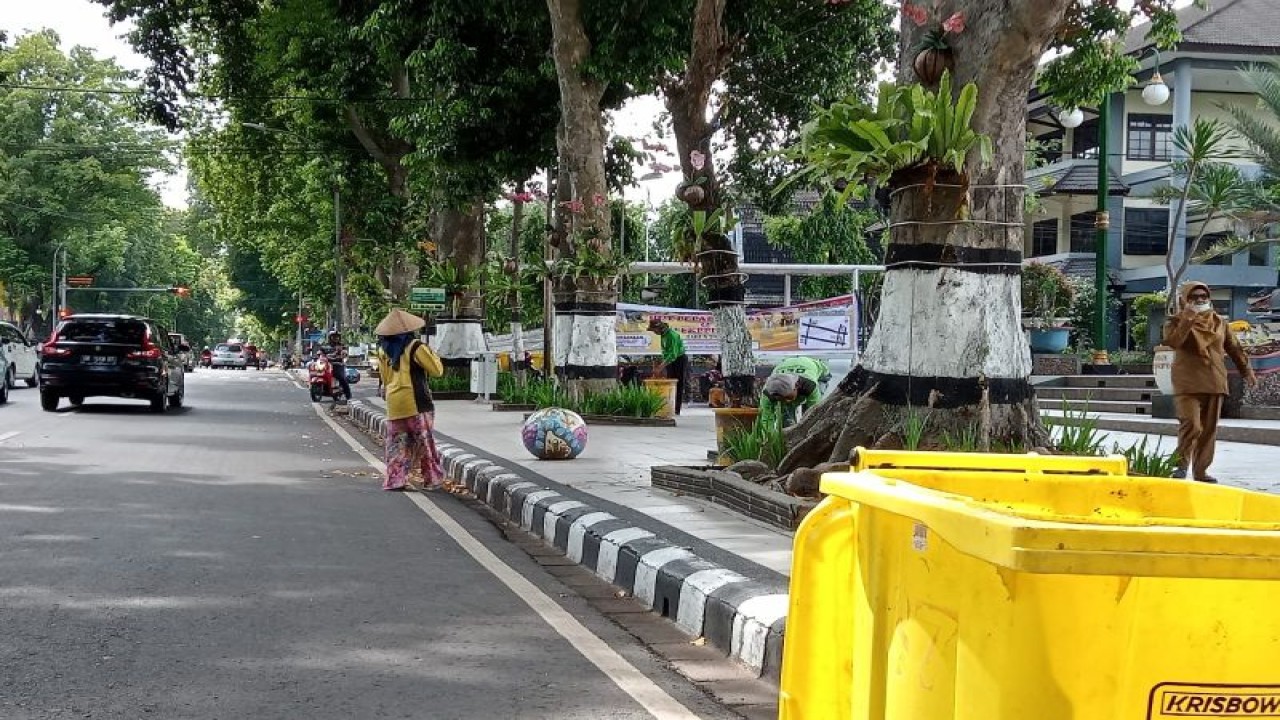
554,434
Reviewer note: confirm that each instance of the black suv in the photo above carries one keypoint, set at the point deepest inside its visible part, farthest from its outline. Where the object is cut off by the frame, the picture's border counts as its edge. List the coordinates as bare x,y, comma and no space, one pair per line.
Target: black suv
114,356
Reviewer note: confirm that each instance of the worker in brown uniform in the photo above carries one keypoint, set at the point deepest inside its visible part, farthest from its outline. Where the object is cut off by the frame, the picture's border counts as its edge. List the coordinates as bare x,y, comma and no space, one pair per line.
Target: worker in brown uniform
1200,339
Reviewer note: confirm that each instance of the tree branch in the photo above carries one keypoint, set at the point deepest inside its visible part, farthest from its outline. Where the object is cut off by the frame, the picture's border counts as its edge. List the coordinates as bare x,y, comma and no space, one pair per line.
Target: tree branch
367,140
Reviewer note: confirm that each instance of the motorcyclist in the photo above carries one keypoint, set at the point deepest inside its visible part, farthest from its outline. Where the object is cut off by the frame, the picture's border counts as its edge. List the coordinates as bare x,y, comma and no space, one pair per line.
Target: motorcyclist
336,351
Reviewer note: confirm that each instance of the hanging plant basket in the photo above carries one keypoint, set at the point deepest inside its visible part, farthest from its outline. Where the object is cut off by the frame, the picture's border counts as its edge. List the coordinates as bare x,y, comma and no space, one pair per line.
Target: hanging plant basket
931,62
693,194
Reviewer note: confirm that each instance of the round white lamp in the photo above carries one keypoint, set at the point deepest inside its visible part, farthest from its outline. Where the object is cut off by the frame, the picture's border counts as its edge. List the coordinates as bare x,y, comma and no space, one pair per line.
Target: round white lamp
1071,118
1156,92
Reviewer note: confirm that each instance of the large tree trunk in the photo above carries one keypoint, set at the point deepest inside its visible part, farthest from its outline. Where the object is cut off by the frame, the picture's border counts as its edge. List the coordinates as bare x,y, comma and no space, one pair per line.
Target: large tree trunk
948,344
688,97
459,328
591,356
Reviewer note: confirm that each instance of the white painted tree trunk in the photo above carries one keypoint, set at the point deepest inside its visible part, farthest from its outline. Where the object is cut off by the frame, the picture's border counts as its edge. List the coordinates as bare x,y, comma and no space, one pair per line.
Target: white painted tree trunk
563,339
736,355
594,341
949,322
460,340
517,345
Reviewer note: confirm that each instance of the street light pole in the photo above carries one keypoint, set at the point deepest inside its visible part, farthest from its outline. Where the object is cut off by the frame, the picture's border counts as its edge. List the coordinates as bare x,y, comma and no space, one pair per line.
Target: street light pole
1102,225
340,299
298,318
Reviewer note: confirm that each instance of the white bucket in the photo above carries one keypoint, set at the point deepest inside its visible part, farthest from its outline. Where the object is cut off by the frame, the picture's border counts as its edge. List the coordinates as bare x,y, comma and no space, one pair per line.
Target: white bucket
1162,366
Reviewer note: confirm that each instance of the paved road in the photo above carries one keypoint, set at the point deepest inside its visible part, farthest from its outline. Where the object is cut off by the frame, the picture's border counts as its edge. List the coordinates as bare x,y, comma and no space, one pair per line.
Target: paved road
235,559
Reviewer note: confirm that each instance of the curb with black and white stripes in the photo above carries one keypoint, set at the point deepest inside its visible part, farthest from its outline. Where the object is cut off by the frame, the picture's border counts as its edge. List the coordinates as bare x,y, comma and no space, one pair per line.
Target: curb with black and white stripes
742,617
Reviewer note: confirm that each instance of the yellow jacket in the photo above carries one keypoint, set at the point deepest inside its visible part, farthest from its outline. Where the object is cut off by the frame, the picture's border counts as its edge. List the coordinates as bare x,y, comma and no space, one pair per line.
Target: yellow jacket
406,388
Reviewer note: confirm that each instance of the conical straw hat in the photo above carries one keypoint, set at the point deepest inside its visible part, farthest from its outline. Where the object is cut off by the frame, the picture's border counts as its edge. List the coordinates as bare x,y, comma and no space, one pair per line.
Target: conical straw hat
398,322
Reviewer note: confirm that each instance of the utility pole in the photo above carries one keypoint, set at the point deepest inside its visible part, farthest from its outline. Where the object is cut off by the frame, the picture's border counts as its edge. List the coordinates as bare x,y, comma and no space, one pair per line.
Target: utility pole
299,319
340,299
517,319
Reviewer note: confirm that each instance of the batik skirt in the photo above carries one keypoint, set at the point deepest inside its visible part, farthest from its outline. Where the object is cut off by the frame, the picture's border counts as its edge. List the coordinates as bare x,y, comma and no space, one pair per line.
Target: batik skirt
411,454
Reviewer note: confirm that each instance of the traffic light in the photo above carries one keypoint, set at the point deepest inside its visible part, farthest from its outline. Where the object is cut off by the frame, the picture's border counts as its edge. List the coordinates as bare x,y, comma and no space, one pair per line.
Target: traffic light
181,291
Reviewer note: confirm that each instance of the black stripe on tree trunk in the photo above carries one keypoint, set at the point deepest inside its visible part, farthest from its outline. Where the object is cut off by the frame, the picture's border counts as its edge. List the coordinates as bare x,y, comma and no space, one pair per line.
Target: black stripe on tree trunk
931,256
590,372
944,393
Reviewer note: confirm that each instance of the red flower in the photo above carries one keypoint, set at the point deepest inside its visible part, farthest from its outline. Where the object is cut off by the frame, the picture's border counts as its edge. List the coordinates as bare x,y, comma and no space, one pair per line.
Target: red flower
954,24
598,199
573,206
915,14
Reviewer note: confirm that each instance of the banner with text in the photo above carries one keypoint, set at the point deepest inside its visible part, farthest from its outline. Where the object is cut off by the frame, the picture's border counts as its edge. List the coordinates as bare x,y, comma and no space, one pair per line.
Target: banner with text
830,324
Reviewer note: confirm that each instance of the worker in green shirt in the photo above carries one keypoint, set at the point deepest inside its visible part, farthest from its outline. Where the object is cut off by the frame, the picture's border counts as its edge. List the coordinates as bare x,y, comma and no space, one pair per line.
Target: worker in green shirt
795,382
675,364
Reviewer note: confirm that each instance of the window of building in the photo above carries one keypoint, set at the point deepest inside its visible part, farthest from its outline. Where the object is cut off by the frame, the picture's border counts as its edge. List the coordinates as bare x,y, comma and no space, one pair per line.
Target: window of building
1084,140
1084,235
1259,256
1146,231
1150,137
1044,238
1208,241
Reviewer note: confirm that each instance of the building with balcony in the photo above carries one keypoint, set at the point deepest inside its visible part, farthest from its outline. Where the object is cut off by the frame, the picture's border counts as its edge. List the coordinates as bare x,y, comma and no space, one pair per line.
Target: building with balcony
1203,75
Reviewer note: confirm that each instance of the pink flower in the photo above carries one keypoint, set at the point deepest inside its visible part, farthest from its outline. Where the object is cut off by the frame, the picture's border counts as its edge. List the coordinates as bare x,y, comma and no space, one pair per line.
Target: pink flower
954,24
573,206
598,199
915,14
697,159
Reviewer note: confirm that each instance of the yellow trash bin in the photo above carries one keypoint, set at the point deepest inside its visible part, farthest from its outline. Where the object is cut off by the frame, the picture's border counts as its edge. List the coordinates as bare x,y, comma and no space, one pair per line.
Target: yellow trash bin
1004,595
667,390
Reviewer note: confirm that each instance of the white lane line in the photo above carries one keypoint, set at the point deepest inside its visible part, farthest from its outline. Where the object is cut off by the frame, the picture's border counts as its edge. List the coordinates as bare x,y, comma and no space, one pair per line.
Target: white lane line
625,675
9,435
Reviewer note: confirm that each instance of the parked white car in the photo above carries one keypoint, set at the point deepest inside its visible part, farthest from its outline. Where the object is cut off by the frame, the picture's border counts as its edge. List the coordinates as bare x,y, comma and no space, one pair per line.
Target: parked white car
4,373
24,358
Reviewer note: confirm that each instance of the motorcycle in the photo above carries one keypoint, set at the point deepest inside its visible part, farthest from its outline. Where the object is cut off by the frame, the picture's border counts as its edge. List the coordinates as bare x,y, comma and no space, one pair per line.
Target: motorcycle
206,358
323,384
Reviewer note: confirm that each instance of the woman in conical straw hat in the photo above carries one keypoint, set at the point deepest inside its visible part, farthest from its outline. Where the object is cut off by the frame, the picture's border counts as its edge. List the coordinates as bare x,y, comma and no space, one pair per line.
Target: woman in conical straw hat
404,367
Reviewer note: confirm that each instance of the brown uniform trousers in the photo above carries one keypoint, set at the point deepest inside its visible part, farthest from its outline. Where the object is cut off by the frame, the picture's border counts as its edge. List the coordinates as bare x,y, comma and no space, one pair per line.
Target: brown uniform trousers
1197,430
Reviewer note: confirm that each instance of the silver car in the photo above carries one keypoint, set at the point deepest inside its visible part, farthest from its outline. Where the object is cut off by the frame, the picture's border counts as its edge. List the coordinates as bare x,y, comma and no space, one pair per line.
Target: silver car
6,367
24,359
230,355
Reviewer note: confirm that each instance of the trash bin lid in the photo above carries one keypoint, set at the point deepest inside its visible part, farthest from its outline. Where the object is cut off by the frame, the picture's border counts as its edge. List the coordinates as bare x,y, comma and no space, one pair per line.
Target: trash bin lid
1073,524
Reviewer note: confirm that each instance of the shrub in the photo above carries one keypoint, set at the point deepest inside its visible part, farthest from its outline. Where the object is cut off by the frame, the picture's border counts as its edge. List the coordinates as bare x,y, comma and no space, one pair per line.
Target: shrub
1046,293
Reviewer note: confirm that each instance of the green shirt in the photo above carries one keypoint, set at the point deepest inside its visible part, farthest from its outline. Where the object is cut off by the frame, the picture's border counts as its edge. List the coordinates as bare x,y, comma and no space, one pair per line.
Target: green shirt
806,367
672,345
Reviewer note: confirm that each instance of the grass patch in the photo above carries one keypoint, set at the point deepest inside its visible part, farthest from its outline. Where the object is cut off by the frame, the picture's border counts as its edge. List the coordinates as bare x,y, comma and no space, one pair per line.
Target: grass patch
763,442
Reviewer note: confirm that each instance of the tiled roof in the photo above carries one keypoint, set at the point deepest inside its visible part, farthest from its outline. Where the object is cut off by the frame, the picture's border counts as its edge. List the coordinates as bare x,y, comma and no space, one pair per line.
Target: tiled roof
1074,178
1225,23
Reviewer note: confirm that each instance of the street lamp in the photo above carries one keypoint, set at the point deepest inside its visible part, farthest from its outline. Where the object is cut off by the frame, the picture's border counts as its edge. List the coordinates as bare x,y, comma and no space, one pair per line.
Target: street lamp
339,282
1155,93
1071,118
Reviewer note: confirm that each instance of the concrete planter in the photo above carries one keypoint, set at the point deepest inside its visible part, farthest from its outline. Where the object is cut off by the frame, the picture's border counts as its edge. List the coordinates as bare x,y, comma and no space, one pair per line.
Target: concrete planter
743,496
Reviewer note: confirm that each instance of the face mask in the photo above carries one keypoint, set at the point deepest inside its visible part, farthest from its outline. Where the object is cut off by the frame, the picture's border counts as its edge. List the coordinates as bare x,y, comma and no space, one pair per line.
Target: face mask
1202,307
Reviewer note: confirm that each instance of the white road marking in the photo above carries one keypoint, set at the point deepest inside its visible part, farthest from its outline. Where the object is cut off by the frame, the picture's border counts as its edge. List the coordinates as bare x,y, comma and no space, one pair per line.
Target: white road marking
9,435
625,675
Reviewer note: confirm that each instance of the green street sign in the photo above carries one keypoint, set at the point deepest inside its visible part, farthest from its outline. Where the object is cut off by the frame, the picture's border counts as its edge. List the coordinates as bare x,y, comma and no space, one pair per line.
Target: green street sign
426,299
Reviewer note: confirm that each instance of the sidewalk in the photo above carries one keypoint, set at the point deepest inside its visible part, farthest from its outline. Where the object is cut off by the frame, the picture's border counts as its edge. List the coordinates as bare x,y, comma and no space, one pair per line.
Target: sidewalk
615,467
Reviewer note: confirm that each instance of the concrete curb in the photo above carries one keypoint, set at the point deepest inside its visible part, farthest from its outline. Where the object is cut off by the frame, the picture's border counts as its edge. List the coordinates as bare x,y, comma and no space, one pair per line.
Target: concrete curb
741,617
